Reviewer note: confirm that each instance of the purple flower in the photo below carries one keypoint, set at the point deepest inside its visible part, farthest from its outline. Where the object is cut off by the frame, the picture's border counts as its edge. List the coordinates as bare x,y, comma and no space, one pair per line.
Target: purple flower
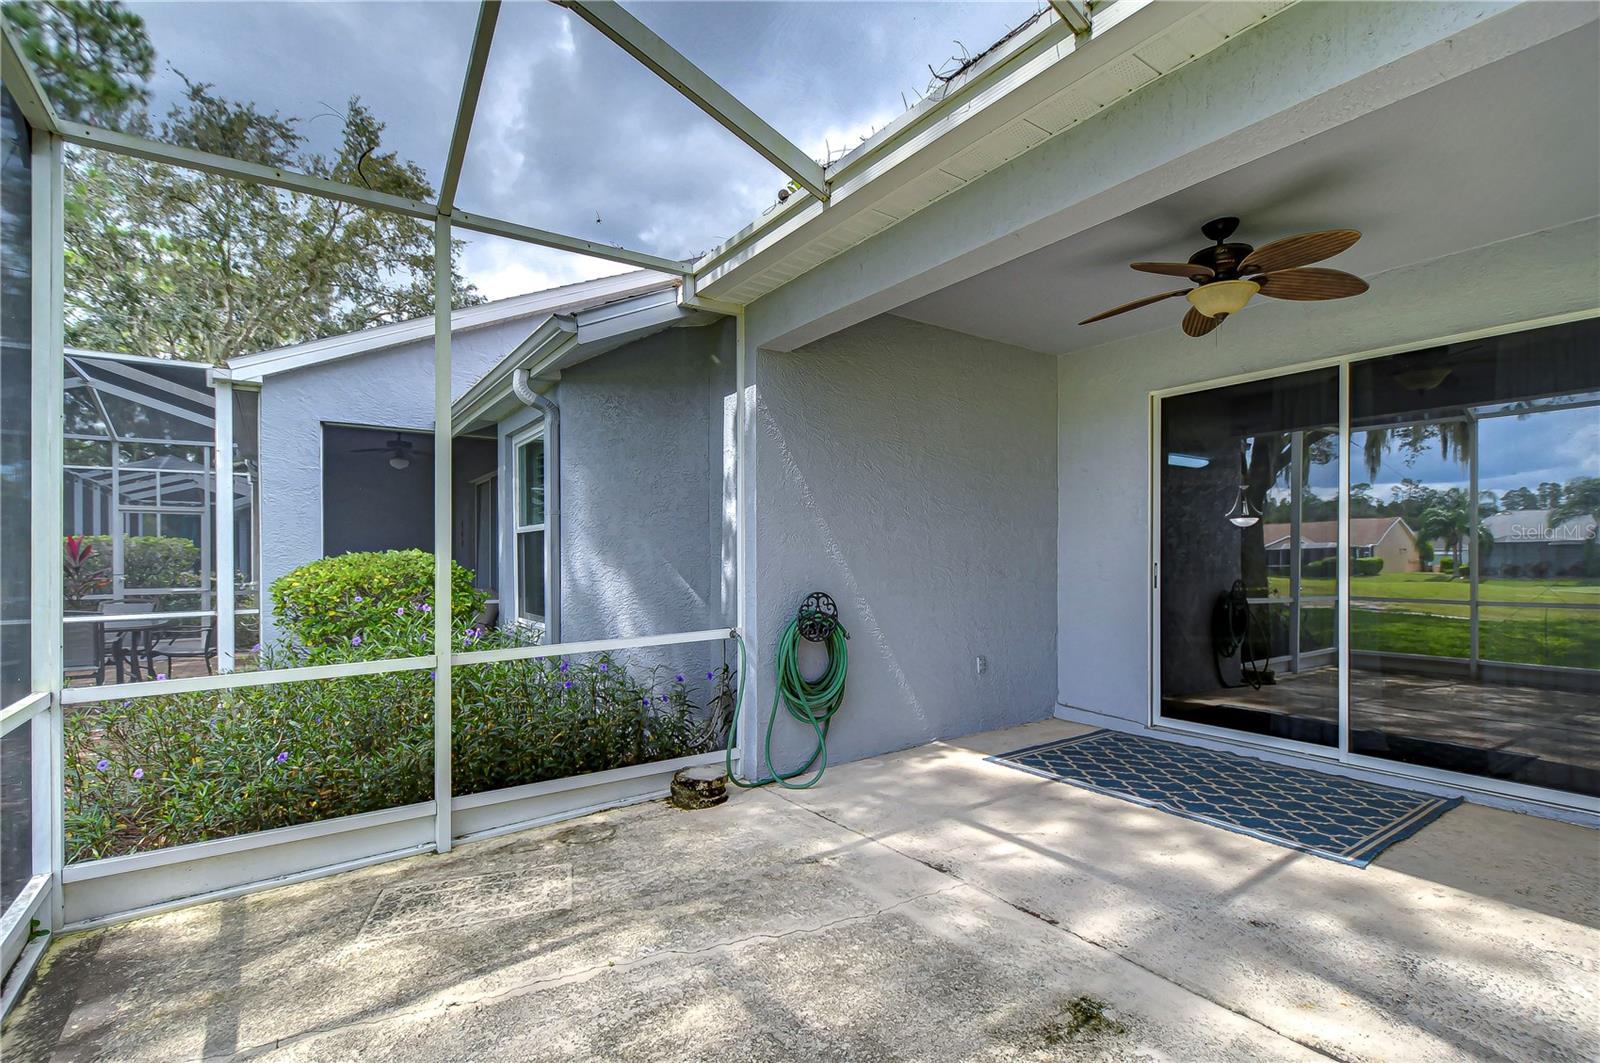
102,765
563,666
604,666
433,675
316,719
711,675
426,608
355,640
256,648
283,757
138,773
359,599
680,678
567,685
161,675
401,611
646,703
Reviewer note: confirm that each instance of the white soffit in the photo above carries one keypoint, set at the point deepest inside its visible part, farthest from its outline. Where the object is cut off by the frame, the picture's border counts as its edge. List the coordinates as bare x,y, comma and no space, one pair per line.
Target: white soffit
1133,43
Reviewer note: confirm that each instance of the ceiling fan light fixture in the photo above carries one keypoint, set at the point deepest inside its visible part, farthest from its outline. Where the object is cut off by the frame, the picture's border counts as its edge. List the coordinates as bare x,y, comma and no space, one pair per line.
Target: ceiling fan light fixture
1221,298
398,462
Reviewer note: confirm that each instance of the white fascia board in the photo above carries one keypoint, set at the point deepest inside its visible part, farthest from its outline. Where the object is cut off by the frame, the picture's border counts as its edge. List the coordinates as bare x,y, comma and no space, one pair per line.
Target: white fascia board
554,335
1047,31
562,341
255,367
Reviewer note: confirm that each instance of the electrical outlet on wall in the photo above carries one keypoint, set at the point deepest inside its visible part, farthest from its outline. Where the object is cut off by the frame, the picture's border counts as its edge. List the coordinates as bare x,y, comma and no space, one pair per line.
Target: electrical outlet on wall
981,663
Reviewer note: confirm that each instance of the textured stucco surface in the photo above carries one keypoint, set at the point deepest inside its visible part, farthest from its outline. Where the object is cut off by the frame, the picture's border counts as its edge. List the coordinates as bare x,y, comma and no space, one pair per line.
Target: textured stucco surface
642,485
926,906
1103,603
389,389
910,472
644,539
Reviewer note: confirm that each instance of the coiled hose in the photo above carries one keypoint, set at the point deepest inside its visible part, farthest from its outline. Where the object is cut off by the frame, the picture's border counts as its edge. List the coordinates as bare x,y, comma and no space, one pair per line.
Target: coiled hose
811,701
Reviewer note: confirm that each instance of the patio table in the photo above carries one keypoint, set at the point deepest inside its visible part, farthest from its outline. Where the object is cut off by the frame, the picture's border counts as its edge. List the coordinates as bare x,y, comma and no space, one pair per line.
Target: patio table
141,634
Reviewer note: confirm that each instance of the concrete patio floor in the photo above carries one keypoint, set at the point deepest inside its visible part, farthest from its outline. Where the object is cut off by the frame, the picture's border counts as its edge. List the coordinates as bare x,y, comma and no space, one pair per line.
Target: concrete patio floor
925,905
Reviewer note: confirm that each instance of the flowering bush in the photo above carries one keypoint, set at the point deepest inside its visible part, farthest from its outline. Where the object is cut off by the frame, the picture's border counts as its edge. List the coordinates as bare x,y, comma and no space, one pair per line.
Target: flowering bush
332,600
164,770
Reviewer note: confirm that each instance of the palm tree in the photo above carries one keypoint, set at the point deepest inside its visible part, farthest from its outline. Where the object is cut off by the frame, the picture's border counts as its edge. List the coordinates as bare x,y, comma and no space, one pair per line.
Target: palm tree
1448,520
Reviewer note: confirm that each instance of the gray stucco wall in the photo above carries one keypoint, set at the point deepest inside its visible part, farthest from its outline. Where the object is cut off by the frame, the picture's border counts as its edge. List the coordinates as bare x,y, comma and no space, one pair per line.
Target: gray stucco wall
910,472
645,546
1103,596
389,389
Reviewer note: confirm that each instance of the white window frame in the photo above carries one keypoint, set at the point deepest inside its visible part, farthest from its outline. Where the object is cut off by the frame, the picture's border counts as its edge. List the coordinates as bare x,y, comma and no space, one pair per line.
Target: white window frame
520,612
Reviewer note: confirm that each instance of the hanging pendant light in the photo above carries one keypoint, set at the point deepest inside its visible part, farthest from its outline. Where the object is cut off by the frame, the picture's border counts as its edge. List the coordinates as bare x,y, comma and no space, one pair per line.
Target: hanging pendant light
1243,514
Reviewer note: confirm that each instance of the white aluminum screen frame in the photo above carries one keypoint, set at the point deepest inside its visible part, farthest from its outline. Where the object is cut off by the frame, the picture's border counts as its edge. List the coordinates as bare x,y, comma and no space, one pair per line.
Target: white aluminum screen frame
50,132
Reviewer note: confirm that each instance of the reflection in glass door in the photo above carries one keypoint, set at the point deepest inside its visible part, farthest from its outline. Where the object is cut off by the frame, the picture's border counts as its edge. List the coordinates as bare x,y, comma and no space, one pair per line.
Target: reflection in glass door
1483,659
1472,570
1248,548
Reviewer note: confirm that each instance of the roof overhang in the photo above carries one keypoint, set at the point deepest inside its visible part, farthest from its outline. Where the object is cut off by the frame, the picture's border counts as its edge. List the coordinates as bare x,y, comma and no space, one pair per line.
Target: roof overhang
254,368
1042,82
561,341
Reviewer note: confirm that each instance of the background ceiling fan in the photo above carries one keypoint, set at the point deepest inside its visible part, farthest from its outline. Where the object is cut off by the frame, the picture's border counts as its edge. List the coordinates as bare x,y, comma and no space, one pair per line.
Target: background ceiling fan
400,449
1228,274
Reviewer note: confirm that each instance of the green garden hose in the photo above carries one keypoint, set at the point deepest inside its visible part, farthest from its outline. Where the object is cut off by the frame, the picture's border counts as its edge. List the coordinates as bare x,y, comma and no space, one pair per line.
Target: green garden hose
813,702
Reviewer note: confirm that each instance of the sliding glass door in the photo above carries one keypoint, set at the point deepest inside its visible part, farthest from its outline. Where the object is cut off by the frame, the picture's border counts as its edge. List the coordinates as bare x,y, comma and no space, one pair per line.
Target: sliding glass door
1248,502
1472,572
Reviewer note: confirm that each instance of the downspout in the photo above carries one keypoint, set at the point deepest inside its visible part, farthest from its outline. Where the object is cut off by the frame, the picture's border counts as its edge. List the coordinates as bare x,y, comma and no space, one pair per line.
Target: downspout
522,388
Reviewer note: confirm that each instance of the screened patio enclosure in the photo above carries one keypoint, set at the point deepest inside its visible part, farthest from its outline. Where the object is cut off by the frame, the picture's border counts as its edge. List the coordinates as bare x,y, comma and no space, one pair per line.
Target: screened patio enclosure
140,503
855,352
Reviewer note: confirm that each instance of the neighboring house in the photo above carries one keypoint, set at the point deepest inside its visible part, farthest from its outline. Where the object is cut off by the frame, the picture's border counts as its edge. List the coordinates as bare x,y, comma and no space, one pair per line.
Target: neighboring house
1388,538
1525,544
590,426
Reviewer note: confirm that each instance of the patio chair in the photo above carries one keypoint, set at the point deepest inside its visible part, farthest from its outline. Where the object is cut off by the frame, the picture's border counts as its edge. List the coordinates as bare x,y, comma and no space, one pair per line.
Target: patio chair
196,643
85,653
124,644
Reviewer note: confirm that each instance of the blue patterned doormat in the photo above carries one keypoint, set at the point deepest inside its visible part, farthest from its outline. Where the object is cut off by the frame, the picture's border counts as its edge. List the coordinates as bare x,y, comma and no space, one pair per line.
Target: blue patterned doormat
1324,815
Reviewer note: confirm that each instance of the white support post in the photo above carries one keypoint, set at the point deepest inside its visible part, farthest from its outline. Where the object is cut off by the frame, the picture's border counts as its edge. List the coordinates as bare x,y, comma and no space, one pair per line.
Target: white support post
1342,584
222,420
442,448
748,723
49,458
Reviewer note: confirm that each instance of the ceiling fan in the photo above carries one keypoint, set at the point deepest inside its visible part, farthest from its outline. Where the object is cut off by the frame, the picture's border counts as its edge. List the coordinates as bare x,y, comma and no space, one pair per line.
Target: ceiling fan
400,449
1228,274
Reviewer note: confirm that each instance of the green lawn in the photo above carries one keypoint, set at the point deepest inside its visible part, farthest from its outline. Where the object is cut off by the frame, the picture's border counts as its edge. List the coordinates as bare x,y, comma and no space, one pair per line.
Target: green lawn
1437,622
1436,586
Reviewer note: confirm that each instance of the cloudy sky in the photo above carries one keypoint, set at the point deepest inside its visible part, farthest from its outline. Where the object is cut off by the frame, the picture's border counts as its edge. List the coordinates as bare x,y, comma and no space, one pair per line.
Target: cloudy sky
572,134
1513,451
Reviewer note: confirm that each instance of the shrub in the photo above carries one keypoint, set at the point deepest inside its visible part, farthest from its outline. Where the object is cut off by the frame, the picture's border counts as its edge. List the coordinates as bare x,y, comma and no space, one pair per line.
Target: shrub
1328,567
357,597
1447,564
171,769
147,561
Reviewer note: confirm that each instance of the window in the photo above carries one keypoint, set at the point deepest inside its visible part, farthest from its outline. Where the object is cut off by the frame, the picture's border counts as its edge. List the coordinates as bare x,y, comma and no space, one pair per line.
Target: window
532,549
